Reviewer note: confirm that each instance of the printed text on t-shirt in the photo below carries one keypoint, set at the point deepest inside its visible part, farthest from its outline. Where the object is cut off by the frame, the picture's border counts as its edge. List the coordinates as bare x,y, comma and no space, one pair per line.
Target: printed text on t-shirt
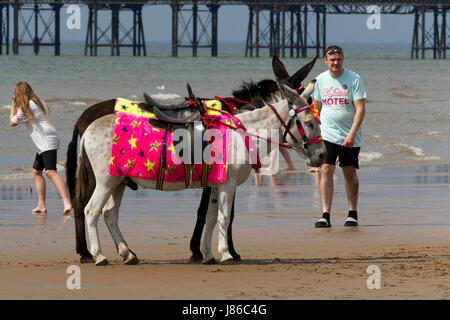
335,97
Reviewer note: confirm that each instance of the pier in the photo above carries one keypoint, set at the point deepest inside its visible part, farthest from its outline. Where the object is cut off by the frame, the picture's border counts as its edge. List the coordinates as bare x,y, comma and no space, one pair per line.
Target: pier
291,28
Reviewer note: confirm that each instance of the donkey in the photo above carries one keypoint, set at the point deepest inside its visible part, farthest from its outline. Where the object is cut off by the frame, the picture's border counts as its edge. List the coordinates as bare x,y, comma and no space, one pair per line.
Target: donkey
257,93
109,189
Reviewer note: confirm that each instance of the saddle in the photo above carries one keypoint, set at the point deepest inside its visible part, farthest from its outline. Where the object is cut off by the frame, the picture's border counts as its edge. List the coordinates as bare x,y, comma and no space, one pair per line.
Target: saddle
184,115
150,103
175,115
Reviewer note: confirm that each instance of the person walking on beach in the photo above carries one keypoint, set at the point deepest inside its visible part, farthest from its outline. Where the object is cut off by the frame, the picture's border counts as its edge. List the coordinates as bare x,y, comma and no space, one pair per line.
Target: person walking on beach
27,108
339,95
287,158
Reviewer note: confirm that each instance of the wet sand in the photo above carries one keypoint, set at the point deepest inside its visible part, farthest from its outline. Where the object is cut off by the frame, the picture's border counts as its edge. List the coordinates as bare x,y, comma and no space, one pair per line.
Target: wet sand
405,232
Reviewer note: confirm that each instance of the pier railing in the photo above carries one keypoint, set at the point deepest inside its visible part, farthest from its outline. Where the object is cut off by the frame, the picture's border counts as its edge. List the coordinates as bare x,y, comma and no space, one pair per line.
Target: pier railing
281,27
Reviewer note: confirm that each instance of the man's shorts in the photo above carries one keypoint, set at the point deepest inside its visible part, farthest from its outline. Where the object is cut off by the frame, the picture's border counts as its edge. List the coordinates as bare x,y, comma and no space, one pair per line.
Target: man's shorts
46,159
347,156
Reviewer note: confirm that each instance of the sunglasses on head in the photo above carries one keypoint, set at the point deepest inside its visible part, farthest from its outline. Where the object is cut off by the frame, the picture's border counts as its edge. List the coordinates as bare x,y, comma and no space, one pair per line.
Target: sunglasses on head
334,51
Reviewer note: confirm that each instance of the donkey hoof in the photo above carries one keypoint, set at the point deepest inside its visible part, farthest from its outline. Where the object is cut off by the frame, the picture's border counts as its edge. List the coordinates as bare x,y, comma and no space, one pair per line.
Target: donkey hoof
132,261
103,262
209,261
228,261
236,257
87,259
196,257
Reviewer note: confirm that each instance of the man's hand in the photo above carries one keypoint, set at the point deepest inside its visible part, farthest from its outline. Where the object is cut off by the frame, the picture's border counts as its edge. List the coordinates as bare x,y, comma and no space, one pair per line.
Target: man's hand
349,141
360,107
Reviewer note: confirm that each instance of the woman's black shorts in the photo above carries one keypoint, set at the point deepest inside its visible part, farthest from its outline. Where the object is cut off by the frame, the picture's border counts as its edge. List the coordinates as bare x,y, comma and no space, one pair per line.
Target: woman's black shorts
46,159
347,156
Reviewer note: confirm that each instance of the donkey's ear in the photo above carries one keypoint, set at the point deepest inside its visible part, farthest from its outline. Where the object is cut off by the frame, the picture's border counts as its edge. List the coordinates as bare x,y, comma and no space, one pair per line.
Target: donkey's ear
278,69
301,74
286,91
309,89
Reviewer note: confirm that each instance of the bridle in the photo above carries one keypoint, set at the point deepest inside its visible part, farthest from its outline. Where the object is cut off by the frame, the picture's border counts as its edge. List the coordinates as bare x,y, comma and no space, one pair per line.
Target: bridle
287,128
294,119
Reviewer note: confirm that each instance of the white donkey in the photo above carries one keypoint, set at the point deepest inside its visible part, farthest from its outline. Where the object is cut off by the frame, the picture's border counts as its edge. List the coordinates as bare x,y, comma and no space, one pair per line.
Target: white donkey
290,113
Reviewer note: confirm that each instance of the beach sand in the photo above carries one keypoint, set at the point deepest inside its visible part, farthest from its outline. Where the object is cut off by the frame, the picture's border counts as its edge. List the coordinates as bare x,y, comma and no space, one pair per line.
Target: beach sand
404,231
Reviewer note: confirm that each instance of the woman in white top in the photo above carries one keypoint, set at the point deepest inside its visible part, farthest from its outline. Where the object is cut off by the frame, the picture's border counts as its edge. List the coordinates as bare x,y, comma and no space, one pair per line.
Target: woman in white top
27,108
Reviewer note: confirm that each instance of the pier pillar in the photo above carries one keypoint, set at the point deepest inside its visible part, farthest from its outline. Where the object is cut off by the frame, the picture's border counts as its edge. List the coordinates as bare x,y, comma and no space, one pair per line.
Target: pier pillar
114,34
195,26
429,32
214,9
282,27
33,26
56,13
4,28
175,12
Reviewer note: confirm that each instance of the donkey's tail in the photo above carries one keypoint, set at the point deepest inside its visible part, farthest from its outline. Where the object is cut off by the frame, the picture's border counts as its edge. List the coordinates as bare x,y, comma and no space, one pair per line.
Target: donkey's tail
76,177
71,163
83,186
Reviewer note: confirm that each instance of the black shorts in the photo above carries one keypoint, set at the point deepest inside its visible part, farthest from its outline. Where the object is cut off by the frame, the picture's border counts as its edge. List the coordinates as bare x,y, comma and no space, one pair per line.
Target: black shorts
46,159
347,156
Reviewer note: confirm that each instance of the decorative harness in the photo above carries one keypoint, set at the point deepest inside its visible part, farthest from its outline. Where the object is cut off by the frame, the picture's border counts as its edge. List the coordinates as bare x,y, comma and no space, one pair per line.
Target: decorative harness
293,118
209,120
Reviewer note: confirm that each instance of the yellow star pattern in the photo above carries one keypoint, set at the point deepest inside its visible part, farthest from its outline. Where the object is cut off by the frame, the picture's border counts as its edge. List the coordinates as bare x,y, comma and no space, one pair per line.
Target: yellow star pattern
154,146
111,161
171,148
114,139
132,142
135,124
130,164
149,165
170,170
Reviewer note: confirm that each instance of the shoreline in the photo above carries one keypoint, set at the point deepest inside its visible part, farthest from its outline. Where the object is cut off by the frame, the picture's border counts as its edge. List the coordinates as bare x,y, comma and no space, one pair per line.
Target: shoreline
404,230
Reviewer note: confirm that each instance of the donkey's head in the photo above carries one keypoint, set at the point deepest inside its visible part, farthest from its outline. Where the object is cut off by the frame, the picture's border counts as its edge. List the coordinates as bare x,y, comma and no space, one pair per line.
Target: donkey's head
303,132
295,81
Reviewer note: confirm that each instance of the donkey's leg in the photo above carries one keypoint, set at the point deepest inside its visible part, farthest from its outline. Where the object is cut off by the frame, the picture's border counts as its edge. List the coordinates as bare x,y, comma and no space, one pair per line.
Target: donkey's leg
196,236
80,234
111,216
194,245
226,195
234,254
92,211
210,223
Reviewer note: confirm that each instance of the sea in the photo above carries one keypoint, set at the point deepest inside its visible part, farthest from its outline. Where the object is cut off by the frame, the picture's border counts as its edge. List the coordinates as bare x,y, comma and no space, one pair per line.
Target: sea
407,113
406,129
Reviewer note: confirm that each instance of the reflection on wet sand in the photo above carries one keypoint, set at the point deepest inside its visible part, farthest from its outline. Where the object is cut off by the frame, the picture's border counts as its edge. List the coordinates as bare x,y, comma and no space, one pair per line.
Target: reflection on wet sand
384,190
13,191
433,175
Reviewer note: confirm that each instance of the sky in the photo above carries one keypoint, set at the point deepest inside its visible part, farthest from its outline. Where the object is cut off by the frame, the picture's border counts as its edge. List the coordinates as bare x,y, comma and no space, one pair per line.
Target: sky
233,23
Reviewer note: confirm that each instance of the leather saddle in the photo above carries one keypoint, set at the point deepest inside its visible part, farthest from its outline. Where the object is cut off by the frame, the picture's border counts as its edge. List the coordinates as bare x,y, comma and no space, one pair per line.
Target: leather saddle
183,115
175,115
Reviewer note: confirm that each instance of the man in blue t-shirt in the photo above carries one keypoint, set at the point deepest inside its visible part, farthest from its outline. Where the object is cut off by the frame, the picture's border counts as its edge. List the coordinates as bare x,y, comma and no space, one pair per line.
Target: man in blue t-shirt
339,95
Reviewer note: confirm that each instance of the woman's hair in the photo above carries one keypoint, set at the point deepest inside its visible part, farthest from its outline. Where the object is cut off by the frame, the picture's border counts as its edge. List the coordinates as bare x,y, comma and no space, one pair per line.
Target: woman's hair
22,96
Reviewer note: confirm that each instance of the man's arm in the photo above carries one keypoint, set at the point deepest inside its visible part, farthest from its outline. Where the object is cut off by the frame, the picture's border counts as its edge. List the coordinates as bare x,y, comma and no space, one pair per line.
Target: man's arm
360,107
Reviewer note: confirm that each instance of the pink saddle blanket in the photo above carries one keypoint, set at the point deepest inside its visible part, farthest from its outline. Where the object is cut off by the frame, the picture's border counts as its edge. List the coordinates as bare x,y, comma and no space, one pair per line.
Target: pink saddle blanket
136,150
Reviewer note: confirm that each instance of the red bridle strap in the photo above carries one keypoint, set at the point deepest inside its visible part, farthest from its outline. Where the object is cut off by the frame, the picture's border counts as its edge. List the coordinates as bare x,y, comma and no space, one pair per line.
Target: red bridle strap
209,120
282,123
